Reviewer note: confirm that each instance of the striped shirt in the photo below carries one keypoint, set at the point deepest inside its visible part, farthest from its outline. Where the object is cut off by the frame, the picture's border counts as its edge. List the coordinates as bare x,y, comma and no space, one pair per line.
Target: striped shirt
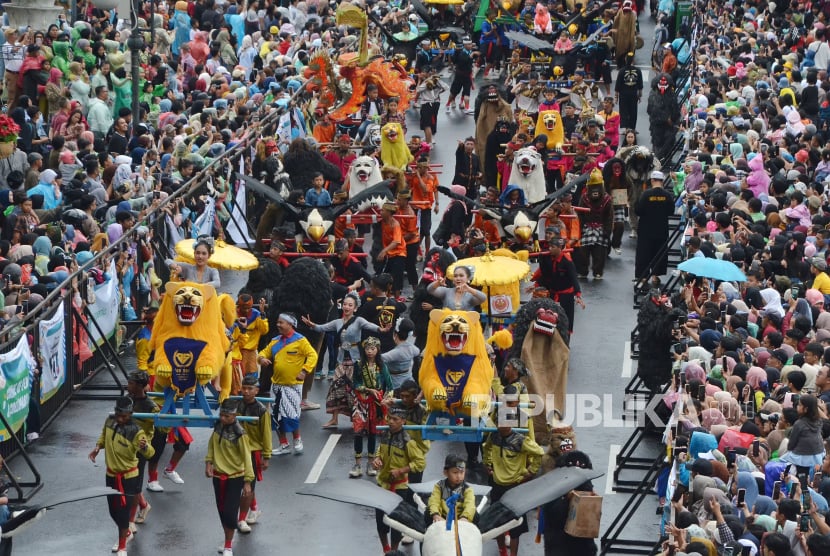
13,56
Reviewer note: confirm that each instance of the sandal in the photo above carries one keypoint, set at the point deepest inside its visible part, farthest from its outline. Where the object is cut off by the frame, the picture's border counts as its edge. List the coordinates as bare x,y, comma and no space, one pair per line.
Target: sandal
329,426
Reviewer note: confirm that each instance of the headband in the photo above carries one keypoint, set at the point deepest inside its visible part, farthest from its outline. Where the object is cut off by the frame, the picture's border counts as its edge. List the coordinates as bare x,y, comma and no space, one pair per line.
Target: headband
371,341
290,319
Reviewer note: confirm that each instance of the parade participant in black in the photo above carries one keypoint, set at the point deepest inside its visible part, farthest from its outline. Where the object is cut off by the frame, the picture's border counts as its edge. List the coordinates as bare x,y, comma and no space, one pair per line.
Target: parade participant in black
653,210
136,385
378,307
617,184
259,442
596,226
467,167
462,82
122,440
663,116
655,323
628,90
423,56
496,142
557,274
555,514
570,120
228,463
347,268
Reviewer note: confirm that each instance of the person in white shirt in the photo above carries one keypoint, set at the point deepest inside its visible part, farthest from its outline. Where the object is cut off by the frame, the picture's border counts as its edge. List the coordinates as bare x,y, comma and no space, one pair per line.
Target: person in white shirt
99,116
13,52
822,50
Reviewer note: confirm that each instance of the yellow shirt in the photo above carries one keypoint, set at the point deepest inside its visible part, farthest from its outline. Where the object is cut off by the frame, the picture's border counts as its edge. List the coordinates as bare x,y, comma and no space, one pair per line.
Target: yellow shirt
258,432
398,450
121,446
822,283
464,507
143,351
257,327
290,358
511,457
229,452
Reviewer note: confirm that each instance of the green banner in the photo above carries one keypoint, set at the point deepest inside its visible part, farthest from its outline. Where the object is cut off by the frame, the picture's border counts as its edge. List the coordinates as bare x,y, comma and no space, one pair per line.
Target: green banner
683,15
15,387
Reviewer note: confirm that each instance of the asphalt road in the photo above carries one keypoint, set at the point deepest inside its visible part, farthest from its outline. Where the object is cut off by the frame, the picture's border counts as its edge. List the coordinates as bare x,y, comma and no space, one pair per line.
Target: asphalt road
183,520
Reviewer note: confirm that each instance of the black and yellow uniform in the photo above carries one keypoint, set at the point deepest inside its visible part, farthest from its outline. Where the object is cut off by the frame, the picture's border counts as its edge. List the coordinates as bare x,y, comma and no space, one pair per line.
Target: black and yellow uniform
397,450
229,453
146,405
510,459
465,506
417,415
121,445
258,433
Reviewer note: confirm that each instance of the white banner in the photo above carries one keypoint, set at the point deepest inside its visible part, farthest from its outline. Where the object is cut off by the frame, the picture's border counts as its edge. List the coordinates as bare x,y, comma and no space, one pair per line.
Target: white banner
203,226
239,233
52,341
105,310
15,386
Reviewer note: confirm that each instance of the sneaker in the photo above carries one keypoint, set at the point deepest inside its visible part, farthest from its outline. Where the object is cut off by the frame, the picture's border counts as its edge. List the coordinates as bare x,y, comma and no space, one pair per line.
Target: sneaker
243,527
633,234
371,471
227,552
155,486
115,546
318,376
32,436
306,405
298,447
331,375
469,111
174,476
253,516
356,472
281,451
141,516
133,529
617,250
582,276
121,553
597,276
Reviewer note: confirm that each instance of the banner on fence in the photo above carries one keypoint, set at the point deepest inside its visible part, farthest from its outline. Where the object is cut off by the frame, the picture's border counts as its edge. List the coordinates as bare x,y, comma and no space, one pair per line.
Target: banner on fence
105,308
15,386
53,350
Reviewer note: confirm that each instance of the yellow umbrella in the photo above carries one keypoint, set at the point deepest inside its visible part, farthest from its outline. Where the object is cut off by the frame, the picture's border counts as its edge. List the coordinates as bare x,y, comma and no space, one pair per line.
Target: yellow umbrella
225,257
500,273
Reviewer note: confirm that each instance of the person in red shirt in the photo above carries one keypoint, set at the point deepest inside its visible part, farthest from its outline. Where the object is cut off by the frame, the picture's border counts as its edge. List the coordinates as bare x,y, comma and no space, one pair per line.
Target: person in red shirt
409,229
393,254
342,156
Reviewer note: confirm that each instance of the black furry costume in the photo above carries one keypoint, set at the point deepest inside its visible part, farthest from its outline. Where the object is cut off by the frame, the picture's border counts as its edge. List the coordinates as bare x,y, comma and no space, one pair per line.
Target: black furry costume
302,165
305,289
663,117
655,321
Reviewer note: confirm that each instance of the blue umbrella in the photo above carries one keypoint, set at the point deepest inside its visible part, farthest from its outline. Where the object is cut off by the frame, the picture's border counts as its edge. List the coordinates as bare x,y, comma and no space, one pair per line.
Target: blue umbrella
715,269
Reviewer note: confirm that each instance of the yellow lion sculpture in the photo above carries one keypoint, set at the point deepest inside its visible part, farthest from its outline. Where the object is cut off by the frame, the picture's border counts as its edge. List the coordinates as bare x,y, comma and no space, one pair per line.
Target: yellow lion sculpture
393,148
455,374
549,122
189,342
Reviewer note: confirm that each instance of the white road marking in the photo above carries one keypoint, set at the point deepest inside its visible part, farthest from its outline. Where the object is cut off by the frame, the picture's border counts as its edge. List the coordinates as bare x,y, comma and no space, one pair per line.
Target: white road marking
626,367
322,459
613,452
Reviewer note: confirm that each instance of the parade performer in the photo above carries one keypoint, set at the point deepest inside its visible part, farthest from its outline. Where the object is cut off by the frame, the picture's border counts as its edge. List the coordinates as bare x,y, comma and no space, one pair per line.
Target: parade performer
558,276
453,484
628,90
136,390
496,143
624,31
122,440
462,59
596,227
393,254
397,456
293,359
617,185
663,116
415,414
655,325
228,463
492,109
259,442
511,459
251,324
372,384
142,341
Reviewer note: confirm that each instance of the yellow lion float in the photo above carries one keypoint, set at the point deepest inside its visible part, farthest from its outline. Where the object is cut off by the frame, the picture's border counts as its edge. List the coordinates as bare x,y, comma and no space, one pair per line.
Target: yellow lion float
189,340
455,374
549,123
393,148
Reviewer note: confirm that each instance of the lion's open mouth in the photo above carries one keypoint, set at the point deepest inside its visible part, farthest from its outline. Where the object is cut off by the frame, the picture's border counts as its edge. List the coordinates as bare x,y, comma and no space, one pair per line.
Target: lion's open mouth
363,175
187,314
525,168
454,341
550,125
392,135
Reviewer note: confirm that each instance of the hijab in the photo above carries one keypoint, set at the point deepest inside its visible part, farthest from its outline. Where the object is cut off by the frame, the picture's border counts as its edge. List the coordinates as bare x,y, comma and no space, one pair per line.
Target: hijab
772,302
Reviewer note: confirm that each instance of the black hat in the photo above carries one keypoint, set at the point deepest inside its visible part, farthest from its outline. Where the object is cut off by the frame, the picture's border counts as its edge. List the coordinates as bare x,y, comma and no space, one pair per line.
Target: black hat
229,406
139,377
453,461
250,380
781,355
124,405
